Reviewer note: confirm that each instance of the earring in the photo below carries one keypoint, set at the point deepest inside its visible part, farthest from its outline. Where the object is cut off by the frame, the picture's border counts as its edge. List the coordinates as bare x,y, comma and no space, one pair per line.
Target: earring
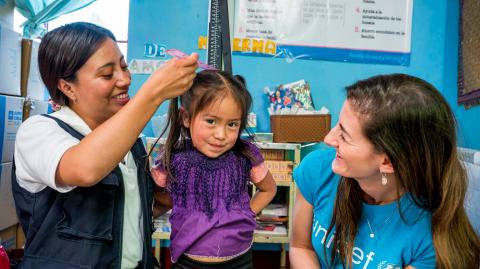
384,179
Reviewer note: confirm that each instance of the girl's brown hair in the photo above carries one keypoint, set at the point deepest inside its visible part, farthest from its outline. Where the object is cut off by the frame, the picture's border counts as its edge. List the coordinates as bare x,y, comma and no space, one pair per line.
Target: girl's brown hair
208,87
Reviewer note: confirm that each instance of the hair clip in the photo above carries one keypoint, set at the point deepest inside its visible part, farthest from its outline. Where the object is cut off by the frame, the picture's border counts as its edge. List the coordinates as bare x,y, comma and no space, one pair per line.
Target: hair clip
180,54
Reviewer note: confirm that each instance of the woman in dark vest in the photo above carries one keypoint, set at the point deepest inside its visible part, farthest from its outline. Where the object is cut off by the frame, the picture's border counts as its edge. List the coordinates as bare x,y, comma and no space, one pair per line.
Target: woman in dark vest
83,195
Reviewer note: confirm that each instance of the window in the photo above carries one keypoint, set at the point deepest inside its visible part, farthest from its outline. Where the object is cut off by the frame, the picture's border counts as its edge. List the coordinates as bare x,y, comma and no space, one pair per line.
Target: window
111,14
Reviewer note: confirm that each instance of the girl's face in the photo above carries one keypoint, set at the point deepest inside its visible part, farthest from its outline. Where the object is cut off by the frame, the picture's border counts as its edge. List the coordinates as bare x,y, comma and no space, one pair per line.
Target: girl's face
215,129
356,157
102,83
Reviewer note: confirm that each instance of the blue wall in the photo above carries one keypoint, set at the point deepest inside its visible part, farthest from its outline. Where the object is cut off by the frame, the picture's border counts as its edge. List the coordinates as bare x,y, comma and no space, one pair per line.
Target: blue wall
178,24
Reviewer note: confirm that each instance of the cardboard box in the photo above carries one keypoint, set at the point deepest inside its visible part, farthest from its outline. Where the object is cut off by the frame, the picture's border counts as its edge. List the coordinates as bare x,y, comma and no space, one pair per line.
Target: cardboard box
11,110
279,166
8,237
278,176
10,62
25,65
35,107
20,237
299,128
31,84
7,8
7,205
273,154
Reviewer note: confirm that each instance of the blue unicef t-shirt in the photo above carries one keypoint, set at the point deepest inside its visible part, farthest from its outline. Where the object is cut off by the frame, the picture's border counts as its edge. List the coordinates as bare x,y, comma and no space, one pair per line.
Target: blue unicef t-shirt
395,243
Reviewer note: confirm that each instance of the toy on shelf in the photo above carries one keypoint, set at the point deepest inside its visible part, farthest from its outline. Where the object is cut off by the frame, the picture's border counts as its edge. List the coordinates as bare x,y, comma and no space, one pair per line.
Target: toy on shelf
294,95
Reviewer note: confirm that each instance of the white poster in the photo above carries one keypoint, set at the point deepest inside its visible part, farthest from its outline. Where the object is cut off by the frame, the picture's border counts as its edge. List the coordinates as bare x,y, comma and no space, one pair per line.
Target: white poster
376,31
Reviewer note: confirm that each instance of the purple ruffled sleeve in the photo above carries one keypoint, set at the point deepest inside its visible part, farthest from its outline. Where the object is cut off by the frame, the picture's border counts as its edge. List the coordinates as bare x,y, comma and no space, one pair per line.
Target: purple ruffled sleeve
259,169
255,153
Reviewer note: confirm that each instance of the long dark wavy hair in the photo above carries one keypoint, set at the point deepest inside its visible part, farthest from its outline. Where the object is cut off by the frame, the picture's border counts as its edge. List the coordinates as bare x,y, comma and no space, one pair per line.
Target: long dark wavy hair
408,119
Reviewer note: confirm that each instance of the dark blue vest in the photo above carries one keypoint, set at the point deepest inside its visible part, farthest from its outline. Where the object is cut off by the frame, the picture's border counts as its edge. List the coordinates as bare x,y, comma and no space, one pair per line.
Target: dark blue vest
82,228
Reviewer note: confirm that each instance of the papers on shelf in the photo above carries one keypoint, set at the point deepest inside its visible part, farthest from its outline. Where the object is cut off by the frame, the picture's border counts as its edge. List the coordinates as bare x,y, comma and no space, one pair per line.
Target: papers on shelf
271,230
162,223
276,210
271,219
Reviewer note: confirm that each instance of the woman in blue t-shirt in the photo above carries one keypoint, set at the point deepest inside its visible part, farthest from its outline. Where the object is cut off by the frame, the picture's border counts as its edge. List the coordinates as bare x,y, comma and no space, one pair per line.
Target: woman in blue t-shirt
389,192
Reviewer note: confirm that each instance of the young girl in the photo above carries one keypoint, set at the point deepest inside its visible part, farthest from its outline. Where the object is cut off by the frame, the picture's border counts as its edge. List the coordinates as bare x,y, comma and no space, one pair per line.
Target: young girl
205,168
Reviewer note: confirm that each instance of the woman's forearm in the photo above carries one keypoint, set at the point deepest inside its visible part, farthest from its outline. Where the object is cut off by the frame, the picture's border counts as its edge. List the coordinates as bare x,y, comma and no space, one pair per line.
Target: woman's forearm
260,200
99,152
303,258
266,191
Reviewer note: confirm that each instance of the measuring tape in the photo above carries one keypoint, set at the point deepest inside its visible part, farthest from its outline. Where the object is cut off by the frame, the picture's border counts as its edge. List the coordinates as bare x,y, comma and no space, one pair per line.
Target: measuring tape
218,48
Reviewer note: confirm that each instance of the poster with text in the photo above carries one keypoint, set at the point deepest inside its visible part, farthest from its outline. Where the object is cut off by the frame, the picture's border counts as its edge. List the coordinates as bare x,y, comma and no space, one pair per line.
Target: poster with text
365,31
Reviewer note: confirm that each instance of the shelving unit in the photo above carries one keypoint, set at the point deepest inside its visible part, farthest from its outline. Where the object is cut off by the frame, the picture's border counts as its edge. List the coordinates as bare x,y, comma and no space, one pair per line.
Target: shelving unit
158,237
292,152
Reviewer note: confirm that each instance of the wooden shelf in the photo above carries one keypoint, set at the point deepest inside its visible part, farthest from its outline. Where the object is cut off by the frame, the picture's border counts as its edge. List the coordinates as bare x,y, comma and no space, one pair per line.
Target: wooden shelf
284,183
295,158
284,146
275,239
161,236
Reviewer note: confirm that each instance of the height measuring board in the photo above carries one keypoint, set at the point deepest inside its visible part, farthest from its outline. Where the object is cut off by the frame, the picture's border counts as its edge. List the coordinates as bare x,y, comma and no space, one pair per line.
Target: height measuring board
218,48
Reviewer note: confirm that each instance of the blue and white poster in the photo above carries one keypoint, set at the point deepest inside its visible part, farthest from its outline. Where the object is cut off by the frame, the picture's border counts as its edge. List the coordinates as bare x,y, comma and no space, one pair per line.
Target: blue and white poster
366,31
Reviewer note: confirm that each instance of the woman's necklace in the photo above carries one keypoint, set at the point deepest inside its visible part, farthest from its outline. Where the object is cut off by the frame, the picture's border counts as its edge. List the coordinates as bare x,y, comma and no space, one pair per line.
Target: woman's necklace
372,232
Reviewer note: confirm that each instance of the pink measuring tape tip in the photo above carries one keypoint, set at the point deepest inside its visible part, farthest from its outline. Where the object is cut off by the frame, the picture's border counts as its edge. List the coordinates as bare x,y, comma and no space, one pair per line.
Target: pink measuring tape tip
180,54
